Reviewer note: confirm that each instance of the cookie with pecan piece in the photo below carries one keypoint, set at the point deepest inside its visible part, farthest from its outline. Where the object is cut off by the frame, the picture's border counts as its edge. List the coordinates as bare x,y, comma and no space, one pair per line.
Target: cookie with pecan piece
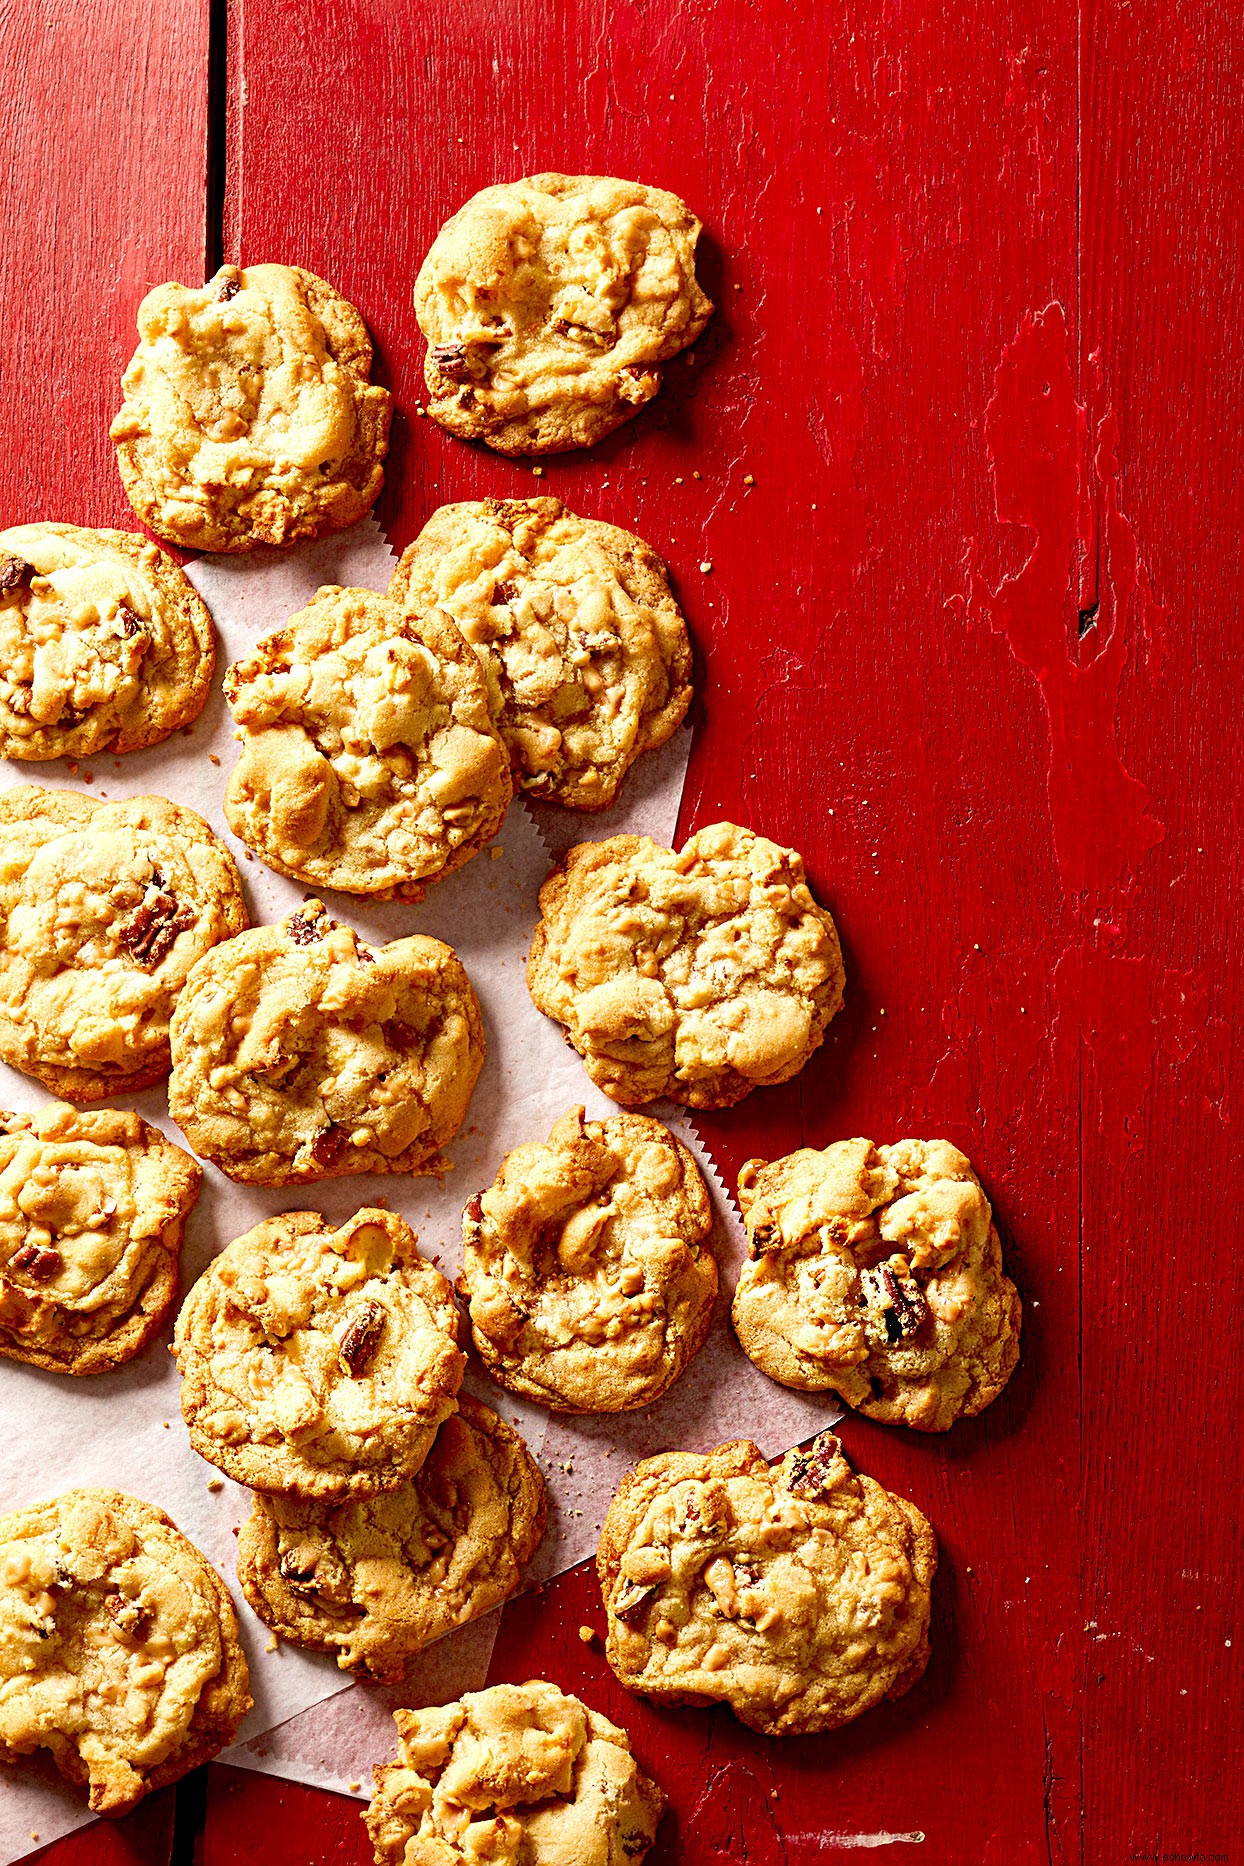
369,760
377,1579
300,1053
700,974
586,1265
249,414
93,1208
514,1773
105,644
104,907
119,1648
549,305
796,1593
319,1362
876,1273
584,648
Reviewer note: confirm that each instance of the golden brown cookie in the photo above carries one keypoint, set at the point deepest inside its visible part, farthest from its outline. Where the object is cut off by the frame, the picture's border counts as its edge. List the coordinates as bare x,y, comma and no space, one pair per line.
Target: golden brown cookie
797,1593
319,1362
300,1053
876,1273
249,414
119,1646
105,645
584,648
369,760
519,1775
549,305
587,1268
104,907
377,1579
93,1209
699,974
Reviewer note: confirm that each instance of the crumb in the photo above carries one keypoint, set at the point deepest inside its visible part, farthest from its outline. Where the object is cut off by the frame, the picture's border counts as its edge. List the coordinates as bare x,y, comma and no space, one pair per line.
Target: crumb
706,566
738,288
212,759
88,777
273,1643
214,1484
496,853
537,472
421,410
166,1425
73,767
678,479
355,1788
697,476
690,358
382,1203
233,1532
249,856
568,1467
588,1635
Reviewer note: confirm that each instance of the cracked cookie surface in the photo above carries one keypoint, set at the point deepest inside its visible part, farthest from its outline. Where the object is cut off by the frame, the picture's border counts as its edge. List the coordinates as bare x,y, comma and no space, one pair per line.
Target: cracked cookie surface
549,305
249,415
586,1265
797,1593
699,974
93,1209
369,760
378,1579
300,1053
876,1272
104,644
104,907
317,1361
119,1646
584,648
518,1775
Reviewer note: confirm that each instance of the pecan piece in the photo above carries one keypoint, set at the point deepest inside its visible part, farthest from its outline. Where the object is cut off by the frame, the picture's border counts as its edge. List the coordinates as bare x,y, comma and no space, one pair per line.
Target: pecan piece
128,1616
631,1598
151,929
504,592
130,625
229,287
361,1337
821,1467
298,1571
473,1212
766,1236
895,1300
452,360
326,1147
38,1261
15,573
302,930
638,385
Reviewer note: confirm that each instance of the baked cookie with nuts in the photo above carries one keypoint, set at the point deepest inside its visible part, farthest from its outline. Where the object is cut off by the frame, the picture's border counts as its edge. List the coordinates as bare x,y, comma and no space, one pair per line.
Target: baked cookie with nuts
876,1273
514,1773
105,645
369,760
319,1362
104,908
795,1593
249,415
377,1579
549,305
93,1208
301,1053
119,1649
700,974
584,648
586,1265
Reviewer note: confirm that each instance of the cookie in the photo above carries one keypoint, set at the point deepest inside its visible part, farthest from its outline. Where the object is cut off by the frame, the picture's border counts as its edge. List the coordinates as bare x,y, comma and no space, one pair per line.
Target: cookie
700,975
584,648
876,1273
104,644
796,1593
93,1209
319,1362
378,1579
119,1646
369,760
516,1773
249,417
549,305
299,1053
104,907
586,1265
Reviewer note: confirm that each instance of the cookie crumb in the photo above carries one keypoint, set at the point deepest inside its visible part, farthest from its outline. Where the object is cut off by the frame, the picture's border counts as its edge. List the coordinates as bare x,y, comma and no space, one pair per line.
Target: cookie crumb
697,476
738,288
568,1467
214,1484
589,1635
496,853
748,480
165,1424
212,759
355,1788
678,479
273,1643
537,472
706,566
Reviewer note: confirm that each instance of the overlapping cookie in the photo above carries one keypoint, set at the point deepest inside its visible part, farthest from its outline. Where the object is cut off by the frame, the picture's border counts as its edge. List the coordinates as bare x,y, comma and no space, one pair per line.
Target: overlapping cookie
105,645
586,1265
584,648
876,1272
299,1053
369,759
93,1209
516,1773
249,414
549,305
700,974
377,1579
796,1593
319,1362
119,1648
104,907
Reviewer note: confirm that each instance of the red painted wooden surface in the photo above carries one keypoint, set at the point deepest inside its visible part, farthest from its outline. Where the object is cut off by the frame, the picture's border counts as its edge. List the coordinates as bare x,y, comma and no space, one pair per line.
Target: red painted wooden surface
972,643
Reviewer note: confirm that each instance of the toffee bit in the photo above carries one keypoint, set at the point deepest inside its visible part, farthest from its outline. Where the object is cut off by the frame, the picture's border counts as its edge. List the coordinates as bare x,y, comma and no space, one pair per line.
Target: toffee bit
361,1337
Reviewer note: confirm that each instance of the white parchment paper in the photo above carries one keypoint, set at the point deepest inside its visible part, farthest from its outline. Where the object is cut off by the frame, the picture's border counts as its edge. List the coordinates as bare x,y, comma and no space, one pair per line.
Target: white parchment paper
125,1429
